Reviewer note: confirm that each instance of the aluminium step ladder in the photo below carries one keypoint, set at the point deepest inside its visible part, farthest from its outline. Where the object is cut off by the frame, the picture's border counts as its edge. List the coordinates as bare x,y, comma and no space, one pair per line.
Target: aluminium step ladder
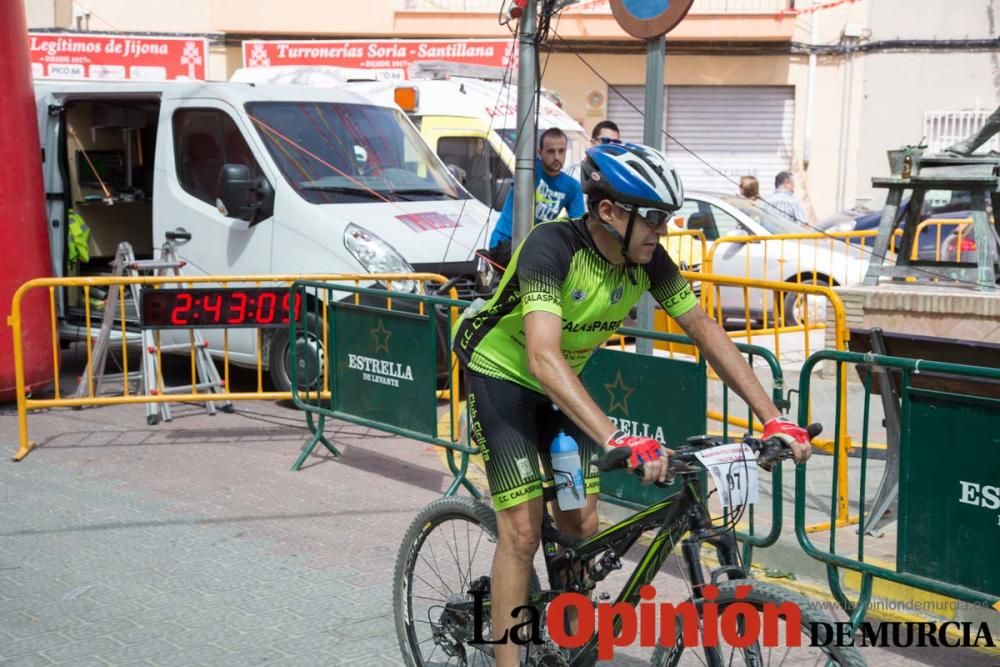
150,375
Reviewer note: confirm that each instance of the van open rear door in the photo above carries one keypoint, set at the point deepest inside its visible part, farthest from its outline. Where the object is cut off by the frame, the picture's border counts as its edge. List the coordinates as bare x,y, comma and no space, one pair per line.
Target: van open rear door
50,131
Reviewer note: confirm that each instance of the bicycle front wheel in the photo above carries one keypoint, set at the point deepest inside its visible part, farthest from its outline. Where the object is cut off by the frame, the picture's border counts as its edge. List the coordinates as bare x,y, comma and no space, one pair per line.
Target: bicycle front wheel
446,553
757,597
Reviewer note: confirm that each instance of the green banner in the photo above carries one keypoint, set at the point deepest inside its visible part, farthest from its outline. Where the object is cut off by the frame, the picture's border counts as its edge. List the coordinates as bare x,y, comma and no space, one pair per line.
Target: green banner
652,396
949,491
384,367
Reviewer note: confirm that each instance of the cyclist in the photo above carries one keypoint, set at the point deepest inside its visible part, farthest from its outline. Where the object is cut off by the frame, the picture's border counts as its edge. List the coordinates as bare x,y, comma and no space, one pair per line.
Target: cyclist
567,289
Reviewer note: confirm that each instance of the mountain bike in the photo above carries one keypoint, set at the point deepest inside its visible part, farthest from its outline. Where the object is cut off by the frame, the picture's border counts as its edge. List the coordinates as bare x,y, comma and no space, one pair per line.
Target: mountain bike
441,584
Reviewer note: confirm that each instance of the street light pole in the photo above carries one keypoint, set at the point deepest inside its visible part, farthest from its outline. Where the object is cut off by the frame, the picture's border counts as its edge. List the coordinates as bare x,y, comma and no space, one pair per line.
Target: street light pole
524,148
652,135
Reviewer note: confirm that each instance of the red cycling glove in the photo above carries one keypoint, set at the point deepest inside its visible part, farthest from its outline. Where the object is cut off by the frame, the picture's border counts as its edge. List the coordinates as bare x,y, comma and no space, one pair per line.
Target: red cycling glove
643,449
787,431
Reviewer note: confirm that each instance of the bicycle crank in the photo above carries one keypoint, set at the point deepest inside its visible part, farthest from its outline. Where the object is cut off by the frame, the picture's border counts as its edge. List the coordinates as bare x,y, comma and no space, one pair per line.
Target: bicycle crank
546,656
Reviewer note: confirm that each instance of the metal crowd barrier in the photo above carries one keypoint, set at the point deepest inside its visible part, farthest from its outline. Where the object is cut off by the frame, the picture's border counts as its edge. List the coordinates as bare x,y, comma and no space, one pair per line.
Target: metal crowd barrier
772,314
830,257
751,538
380,366
126,336
828,247
962,228
949,496
379,371
316,397
765,307
383,356
772,340
687,247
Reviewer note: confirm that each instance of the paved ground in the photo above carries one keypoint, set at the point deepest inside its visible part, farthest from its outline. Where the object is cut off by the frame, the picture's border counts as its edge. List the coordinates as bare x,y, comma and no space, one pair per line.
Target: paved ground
192,543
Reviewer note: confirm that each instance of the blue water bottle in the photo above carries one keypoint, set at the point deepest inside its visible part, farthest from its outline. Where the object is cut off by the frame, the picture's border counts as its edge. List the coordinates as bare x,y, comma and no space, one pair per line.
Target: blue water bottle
568,473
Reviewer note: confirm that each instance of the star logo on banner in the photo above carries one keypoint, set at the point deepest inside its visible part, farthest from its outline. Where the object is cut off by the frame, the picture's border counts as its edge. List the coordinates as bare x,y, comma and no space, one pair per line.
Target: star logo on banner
619,393
381,336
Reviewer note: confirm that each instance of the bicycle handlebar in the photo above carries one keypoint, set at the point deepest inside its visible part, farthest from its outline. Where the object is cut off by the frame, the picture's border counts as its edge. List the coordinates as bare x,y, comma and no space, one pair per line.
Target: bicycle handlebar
769,452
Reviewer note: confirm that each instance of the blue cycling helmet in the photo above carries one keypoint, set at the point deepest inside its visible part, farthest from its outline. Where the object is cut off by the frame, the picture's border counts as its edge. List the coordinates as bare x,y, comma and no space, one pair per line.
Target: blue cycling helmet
633,175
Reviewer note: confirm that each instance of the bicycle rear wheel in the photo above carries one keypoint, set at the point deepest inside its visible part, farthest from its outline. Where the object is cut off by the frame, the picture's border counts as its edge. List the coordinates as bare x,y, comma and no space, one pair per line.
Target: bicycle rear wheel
812,619
446,552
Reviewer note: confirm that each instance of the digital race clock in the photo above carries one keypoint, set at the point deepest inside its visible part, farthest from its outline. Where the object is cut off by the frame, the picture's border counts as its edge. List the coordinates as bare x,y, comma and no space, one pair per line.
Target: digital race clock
203,308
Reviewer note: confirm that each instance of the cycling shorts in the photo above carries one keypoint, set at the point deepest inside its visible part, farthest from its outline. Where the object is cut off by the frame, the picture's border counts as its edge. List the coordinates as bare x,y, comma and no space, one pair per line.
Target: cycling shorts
514,427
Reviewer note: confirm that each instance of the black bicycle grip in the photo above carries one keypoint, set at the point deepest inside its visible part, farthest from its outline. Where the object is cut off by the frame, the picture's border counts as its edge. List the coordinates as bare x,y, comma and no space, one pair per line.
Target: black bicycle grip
617,459
613,460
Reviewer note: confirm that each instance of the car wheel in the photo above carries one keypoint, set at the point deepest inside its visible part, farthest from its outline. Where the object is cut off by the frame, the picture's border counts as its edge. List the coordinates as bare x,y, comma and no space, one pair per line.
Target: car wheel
796,305
310,356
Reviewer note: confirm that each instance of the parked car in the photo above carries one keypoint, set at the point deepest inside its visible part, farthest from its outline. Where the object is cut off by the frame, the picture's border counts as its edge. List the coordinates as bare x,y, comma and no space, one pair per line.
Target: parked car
947,204
961,245
720,215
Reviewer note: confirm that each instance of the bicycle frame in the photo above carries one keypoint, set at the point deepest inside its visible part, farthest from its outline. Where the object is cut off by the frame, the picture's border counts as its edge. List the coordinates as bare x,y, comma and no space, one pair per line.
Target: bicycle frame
674,516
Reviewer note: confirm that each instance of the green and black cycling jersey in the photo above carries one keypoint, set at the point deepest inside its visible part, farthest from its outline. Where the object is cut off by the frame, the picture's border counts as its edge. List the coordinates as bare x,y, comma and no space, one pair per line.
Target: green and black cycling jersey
558,269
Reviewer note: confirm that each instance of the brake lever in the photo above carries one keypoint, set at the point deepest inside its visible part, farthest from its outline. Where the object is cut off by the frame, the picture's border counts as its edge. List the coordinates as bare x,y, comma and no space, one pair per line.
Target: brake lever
638,472
773,454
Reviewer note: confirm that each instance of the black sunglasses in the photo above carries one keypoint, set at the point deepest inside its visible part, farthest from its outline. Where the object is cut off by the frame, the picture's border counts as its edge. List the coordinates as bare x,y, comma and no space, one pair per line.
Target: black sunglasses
654,217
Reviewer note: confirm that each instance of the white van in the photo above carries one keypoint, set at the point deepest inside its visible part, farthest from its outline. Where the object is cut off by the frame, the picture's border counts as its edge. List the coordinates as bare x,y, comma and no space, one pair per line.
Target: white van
470,123
266,179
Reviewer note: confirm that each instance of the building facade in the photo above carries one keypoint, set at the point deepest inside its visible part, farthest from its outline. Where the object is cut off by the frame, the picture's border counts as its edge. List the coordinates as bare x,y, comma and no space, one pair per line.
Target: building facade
752,86
935,78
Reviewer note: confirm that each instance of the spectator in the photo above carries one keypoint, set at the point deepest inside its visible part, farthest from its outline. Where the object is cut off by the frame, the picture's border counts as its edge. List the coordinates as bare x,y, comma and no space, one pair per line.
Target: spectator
783,198
749,187
604,131
554,191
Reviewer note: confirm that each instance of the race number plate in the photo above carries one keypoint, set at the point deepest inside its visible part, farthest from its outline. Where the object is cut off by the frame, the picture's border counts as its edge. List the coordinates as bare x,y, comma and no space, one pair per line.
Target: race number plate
734,469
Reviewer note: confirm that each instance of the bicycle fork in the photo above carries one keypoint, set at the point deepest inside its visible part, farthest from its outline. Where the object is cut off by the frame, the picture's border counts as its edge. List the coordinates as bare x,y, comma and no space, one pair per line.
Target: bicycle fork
725,545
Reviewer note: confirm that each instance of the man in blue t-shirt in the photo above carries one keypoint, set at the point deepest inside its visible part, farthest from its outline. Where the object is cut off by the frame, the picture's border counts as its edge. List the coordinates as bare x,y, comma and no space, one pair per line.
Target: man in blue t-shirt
554,190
